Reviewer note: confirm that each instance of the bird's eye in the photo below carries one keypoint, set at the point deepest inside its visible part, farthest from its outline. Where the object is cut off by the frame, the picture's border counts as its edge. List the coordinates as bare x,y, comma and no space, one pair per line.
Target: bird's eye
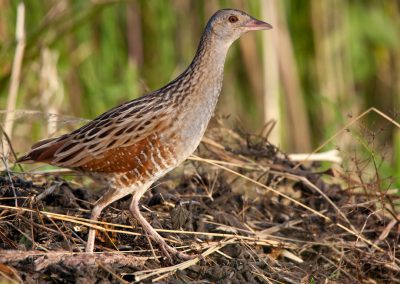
233,19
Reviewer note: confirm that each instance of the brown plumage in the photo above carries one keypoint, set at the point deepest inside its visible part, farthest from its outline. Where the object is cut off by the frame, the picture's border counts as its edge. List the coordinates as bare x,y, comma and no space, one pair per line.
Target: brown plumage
136,143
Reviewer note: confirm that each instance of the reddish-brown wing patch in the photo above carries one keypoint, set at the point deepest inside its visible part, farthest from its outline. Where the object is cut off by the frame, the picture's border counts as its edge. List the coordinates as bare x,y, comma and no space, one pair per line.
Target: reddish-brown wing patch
142,159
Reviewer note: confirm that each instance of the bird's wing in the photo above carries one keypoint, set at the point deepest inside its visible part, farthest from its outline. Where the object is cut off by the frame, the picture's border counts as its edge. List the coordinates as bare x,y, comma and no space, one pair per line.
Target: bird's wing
119,127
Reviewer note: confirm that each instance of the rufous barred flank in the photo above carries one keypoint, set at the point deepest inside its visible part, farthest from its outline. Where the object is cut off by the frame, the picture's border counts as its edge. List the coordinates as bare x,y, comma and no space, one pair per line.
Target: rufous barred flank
133,145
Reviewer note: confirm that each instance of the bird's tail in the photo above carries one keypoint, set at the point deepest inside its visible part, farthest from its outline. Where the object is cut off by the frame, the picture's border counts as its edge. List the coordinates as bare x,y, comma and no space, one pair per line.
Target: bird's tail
43,151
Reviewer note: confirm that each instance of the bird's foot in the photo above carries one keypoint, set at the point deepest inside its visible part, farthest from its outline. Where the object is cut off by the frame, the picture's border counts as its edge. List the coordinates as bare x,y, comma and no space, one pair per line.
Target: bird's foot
170,252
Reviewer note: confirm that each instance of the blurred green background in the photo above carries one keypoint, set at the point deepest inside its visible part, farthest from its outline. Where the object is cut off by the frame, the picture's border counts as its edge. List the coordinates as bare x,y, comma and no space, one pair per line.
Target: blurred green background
324,63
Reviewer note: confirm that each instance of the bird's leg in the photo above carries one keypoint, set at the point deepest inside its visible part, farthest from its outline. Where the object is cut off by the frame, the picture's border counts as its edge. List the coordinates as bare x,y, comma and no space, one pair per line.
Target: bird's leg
109,197
96,211
165,248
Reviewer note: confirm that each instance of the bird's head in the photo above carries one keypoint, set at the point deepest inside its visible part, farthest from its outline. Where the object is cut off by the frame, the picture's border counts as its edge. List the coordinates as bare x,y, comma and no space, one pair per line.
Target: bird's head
229,24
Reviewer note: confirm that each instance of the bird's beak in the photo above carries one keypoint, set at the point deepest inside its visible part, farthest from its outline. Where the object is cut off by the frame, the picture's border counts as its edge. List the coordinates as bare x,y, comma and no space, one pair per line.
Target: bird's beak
255,24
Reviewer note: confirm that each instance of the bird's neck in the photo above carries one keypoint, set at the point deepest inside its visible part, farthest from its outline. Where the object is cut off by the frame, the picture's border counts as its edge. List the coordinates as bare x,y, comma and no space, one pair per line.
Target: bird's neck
205,74
200,84
210,56
204,79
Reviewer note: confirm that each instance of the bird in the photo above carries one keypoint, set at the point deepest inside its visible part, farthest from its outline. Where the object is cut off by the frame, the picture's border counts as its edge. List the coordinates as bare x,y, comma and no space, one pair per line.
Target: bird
136,143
